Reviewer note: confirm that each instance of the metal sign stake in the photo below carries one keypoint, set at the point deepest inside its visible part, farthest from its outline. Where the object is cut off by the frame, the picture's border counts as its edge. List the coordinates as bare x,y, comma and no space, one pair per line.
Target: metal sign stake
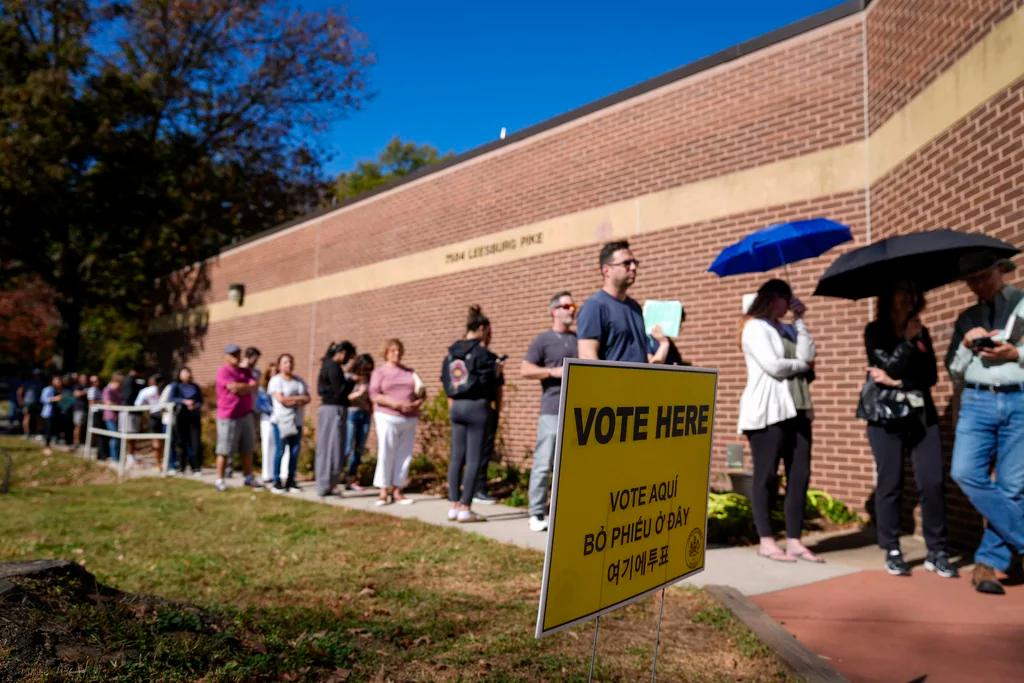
593,654
657,639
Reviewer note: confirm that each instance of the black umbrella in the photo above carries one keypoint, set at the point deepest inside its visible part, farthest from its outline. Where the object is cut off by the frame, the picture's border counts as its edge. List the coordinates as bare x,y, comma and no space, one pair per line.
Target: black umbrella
930,258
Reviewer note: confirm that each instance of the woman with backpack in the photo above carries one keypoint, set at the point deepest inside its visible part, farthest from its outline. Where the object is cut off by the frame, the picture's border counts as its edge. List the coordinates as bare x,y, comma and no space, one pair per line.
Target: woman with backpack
360,410
472,378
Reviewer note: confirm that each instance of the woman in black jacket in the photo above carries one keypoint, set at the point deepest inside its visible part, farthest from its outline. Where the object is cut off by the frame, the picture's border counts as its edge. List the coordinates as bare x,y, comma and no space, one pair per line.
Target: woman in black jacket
333,388
900,356
473,379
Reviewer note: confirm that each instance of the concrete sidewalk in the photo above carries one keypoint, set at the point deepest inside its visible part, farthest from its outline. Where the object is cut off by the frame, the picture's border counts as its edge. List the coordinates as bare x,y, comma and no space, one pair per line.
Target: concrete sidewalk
739,567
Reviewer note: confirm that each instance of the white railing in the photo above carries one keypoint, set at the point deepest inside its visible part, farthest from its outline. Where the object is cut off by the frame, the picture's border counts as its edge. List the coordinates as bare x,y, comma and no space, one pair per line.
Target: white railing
123,434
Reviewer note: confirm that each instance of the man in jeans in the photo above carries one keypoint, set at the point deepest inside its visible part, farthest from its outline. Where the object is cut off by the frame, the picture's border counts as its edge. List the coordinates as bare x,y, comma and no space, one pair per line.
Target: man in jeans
235,433
990,429
543,361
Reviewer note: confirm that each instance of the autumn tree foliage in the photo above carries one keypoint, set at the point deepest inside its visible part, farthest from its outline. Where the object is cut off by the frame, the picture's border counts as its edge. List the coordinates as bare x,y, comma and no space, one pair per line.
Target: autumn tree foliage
141,136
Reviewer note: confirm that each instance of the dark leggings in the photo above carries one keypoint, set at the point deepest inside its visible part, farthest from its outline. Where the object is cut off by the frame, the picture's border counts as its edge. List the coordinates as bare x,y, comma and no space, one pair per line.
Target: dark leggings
469,427
889,447
789,441
186,438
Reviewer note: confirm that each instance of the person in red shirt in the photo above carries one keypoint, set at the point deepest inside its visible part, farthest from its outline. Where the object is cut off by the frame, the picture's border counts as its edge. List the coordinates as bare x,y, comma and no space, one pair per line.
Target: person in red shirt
235,434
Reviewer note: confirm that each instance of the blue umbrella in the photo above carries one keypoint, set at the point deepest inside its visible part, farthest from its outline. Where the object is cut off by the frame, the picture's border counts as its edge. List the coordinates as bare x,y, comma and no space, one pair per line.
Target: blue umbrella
778,245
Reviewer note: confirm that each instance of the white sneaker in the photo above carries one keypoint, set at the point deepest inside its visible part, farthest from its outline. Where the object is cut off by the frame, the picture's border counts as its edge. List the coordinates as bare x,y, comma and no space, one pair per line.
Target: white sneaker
220,485
538,523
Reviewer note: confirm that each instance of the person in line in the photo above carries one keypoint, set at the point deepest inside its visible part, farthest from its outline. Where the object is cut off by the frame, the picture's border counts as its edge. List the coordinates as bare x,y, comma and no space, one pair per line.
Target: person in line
188,399
235,388
66,407
333,389
900,355
987,360
50,399
112,397
94,394
150,397
611,324
471,375
543,361
397,396
289,394
80,409
489,451
264,409
130,388
360,409
250,360
28,397
775,413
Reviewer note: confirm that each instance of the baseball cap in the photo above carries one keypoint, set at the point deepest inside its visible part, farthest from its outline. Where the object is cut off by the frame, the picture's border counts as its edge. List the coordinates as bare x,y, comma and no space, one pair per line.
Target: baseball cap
232,349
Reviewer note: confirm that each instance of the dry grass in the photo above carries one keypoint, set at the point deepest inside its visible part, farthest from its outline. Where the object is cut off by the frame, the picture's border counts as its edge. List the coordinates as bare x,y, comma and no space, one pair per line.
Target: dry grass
379,598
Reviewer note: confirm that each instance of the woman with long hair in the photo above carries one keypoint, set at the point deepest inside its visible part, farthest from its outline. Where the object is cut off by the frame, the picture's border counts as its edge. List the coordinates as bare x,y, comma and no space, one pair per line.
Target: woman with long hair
394,392
901,356
333,388
472,377
289,394
776,413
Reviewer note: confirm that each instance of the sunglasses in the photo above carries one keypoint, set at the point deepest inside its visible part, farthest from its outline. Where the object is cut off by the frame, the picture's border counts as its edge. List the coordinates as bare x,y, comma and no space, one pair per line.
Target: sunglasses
566,307
627,263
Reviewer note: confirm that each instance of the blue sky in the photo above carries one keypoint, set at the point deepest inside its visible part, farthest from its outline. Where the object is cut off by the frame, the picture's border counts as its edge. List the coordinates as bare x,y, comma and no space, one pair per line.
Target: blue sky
451,73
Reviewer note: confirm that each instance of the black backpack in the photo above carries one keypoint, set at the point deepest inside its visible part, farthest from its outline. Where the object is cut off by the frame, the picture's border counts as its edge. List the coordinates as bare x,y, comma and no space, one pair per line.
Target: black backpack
468,371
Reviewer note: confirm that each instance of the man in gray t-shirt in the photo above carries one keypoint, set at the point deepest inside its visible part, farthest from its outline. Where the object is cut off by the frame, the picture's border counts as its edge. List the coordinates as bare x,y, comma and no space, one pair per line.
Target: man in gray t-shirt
543,361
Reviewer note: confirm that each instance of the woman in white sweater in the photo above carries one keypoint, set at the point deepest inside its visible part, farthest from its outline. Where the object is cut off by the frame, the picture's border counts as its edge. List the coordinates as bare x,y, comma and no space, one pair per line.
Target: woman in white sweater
776,414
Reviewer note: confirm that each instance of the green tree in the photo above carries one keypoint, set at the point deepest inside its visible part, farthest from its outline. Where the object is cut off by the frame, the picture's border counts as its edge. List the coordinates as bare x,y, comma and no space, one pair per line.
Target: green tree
398,159
142,136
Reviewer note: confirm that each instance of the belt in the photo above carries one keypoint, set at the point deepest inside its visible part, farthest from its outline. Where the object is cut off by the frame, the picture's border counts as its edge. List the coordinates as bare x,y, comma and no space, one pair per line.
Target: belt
996,388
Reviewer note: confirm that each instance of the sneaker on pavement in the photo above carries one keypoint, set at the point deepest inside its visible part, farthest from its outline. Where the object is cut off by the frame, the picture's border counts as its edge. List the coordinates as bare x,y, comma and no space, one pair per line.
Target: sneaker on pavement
220,485
538,523
895,565
292,487
252,482
278,488
484,499
939,563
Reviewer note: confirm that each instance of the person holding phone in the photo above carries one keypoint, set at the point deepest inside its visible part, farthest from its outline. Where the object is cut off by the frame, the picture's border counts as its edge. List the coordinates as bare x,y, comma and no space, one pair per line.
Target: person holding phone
776,413
988,363
900,355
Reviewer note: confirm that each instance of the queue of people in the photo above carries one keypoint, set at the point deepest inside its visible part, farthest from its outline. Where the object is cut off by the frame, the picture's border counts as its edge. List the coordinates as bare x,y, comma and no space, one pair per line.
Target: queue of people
776,411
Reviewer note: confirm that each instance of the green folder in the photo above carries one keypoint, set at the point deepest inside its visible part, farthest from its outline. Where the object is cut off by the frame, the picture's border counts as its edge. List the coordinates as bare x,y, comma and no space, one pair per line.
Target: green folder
668,314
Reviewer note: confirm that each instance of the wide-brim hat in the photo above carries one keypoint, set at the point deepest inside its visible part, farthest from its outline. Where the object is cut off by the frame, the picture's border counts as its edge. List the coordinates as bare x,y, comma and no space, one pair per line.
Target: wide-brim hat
975,262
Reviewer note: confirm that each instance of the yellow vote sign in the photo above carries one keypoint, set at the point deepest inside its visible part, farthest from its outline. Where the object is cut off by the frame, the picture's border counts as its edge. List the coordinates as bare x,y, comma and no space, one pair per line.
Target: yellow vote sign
630,492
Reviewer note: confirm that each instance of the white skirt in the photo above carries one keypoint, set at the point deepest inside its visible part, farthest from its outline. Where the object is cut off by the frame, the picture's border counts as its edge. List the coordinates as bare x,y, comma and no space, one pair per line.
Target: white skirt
396,436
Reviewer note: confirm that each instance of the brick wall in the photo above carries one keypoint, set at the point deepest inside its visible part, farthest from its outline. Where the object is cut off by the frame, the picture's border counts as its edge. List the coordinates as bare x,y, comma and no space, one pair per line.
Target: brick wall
911,42
803,95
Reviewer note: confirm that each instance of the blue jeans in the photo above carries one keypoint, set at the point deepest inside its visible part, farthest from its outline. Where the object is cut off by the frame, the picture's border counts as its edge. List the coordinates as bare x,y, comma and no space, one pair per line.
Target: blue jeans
992,426
113,443
292,442
540,473
355,439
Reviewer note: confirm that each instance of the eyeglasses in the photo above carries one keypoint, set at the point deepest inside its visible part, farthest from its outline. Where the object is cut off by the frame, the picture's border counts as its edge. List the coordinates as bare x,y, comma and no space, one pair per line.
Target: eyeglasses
627,263
566,307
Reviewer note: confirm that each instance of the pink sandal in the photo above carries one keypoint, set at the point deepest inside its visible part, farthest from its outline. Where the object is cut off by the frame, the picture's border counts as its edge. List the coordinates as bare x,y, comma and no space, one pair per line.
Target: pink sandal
776,556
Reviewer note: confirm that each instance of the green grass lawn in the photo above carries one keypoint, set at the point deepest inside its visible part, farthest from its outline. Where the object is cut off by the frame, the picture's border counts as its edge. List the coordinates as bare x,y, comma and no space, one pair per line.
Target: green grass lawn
303,591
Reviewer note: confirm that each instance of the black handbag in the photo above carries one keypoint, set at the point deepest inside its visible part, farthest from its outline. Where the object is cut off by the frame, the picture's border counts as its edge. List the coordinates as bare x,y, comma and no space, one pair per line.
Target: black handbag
889,405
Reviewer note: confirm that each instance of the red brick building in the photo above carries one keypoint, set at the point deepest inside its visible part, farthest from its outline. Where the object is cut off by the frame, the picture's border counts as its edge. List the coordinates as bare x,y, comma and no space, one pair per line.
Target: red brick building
899,116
